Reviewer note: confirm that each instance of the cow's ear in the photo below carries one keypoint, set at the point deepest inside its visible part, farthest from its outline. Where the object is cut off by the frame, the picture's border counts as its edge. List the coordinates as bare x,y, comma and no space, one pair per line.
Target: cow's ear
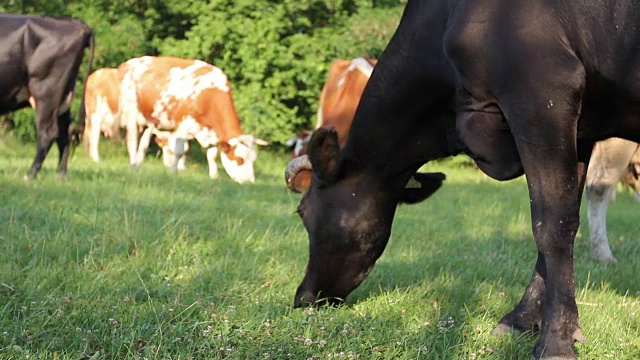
324,152
421,186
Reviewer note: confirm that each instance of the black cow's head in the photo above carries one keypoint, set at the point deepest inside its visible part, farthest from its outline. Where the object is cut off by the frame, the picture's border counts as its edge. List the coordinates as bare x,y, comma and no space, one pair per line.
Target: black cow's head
348,216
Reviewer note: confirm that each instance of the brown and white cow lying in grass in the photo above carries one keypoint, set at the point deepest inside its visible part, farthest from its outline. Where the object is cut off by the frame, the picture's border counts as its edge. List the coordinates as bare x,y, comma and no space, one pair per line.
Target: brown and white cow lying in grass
181,100
613,160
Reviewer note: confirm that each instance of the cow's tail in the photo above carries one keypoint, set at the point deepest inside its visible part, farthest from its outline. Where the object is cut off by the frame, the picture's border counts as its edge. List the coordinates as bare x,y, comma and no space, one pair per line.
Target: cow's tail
77,132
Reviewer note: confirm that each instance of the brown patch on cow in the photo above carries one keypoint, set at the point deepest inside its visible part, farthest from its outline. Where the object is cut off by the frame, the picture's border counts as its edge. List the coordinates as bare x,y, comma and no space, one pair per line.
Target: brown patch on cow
231,154
340,97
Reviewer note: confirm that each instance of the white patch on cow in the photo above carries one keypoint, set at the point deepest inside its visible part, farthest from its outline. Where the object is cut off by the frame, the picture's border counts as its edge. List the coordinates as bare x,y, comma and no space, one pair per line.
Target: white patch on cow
185,84
139,66
360,64
245,149
187,129
100,120
300,143
207,137
104,115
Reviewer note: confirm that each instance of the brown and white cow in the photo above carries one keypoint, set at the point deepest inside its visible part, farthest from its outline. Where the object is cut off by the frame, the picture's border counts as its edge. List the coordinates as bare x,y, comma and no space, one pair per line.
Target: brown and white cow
338,102
612,160
180,100
101,105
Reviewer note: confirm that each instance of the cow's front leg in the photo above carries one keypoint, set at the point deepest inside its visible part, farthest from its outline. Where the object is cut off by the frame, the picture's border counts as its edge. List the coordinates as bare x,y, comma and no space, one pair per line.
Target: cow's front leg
132,143
143,145
182,160
556,171
212,154
179,150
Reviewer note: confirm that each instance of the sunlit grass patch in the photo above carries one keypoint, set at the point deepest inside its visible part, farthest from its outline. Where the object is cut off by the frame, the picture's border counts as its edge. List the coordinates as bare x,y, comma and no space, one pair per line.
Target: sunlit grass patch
114,263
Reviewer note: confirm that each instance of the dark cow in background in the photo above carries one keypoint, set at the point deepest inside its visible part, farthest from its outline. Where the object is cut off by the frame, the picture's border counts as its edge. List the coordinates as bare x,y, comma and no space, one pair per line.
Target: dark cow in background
39,62
613,160
521,86
101,97
337,105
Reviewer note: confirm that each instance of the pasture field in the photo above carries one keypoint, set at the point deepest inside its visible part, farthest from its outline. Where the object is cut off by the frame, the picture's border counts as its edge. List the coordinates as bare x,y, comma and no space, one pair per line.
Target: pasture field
120,264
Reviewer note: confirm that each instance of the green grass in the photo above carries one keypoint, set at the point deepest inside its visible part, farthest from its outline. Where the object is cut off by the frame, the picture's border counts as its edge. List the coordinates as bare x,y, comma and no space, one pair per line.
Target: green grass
121,264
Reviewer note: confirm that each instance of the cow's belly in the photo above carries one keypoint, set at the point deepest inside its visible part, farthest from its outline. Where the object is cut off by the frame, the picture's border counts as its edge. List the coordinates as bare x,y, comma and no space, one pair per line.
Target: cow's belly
189,128
490,143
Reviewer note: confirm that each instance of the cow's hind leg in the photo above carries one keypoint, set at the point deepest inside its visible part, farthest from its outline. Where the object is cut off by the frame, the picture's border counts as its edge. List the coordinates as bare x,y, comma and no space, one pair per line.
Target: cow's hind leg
527,315
63,140
46,132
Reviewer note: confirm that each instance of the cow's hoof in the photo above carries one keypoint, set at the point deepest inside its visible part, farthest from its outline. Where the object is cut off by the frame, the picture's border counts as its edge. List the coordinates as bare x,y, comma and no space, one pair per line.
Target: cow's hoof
61,177
503,329
134,167
604,258
558,350
28,177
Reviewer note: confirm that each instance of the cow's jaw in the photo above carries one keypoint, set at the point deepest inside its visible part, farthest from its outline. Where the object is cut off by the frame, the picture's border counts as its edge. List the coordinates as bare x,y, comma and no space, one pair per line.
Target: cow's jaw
238,163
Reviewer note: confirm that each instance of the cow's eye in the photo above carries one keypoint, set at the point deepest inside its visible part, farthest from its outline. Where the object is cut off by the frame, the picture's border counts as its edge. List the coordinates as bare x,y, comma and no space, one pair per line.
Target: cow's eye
300,211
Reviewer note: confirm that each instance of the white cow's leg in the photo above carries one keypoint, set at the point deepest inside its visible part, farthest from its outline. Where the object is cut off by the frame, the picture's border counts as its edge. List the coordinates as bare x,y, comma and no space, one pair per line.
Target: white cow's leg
143,146
132,142
167,156
182,160
179,152
94,138
212,154
599,197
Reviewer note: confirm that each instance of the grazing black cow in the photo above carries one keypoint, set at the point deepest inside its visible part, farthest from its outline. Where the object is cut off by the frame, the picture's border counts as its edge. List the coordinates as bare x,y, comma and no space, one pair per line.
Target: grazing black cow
39,62
523,87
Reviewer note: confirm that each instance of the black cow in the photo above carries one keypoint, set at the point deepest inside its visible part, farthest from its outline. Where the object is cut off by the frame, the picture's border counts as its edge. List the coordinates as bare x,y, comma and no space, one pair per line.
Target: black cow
39,62
523,87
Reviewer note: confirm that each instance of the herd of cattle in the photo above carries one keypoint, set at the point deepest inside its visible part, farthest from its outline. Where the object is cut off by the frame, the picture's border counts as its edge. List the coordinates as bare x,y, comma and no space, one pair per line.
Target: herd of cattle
177,100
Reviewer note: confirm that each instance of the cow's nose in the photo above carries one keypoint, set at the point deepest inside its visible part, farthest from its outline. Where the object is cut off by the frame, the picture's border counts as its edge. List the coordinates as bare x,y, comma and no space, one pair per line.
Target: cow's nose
304,298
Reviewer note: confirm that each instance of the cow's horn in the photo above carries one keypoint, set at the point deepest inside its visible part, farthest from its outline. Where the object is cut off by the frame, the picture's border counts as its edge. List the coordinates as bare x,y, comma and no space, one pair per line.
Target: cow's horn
293,169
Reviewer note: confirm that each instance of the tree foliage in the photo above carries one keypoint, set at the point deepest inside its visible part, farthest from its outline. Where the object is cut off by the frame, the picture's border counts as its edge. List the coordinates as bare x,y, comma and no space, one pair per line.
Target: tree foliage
275,52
